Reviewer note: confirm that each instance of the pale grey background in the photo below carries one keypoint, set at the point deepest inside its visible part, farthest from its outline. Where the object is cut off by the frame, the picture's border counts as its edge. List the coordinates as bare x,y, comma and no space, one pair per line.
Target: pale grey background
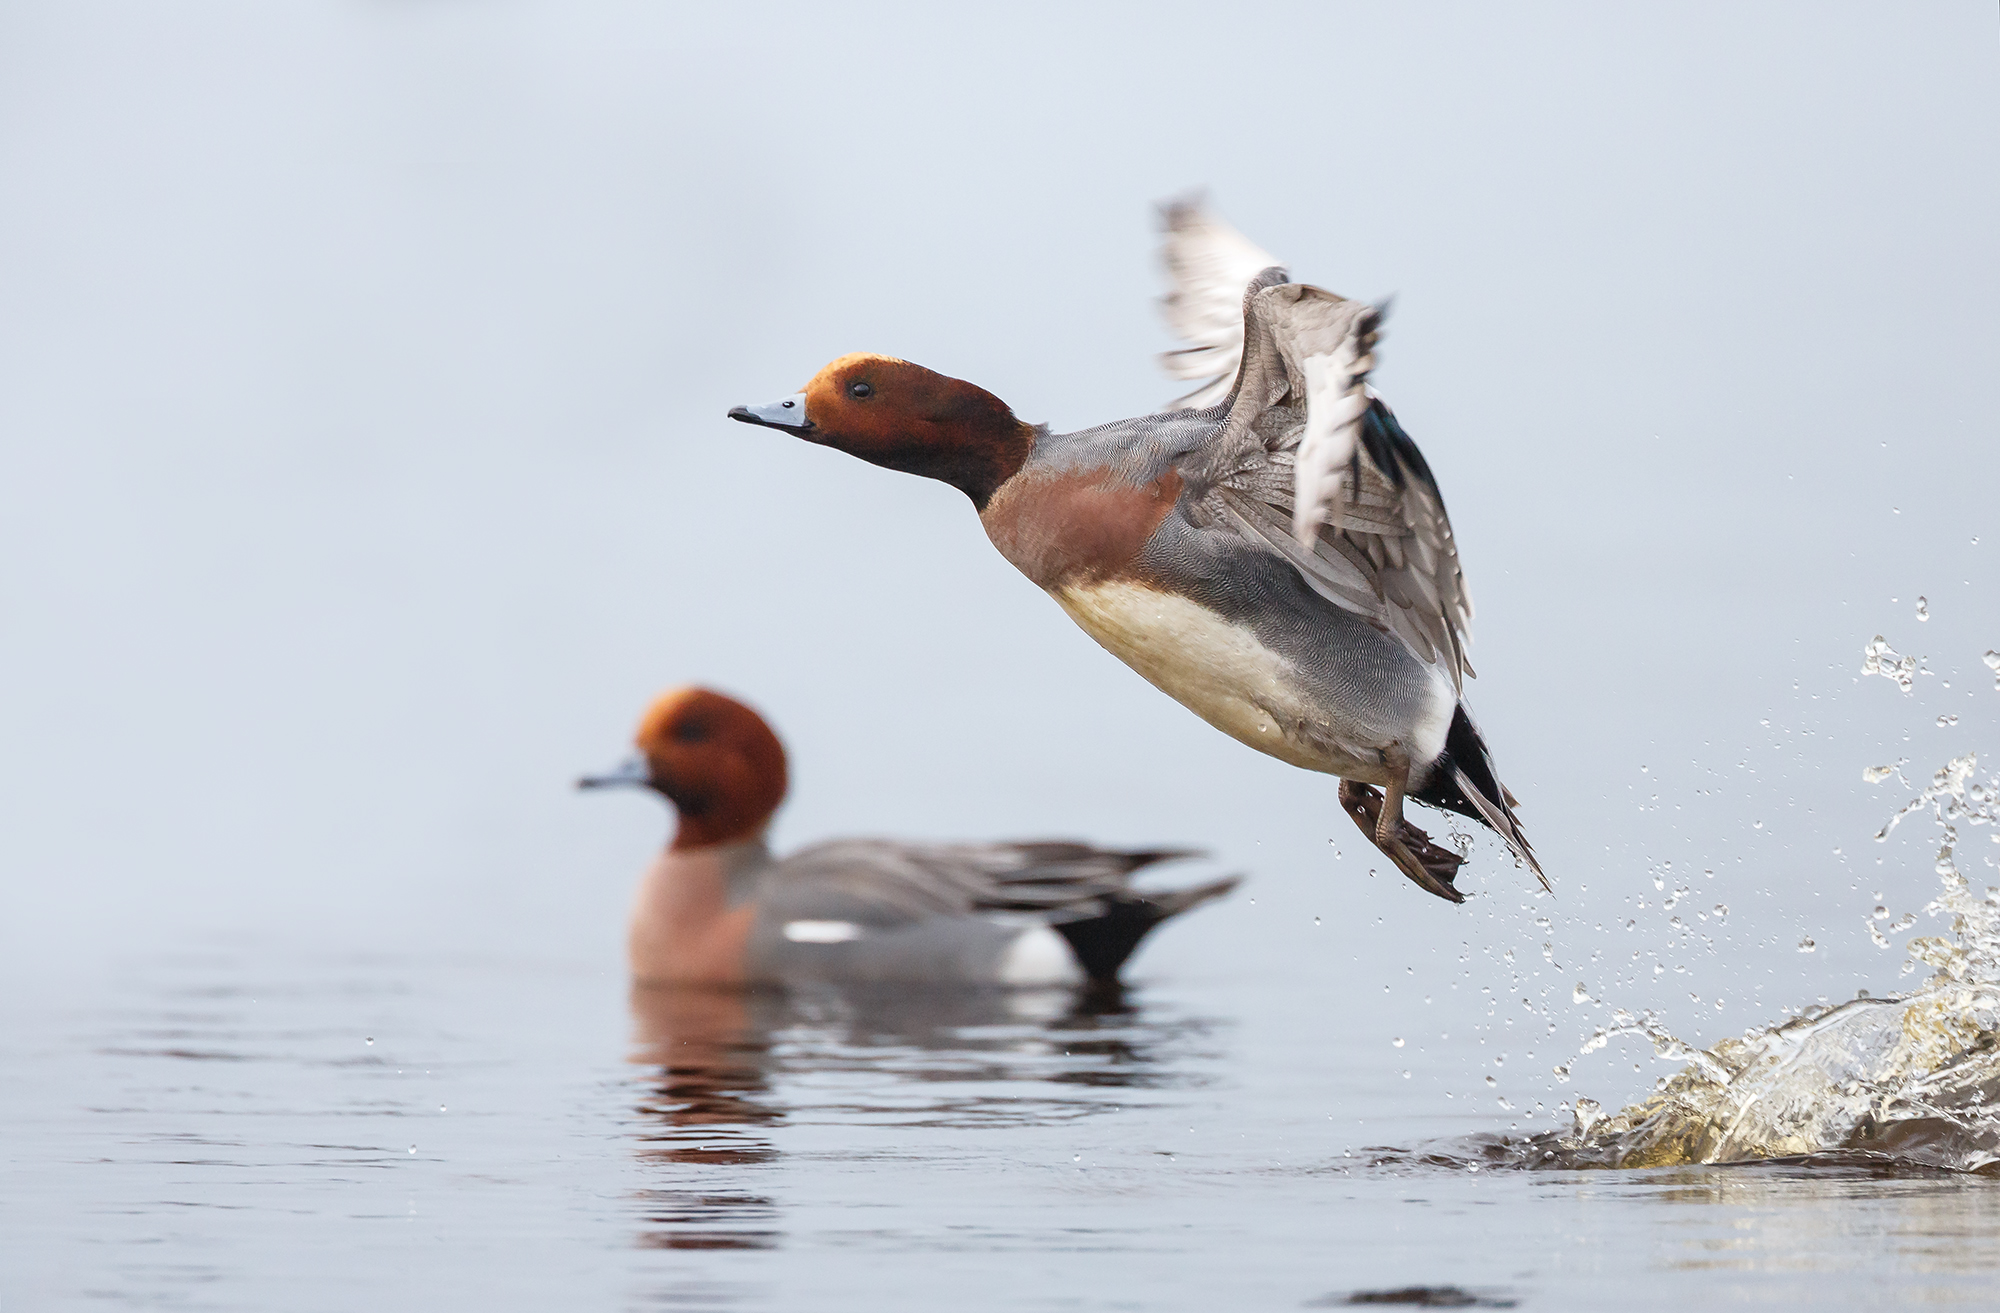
362,391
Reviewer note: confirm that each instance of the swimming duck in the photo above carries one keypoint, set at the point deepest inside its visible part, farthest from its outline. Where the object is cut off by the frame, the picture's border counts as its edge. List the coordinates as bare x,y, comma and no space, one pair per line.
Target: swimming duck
716,908
1271,551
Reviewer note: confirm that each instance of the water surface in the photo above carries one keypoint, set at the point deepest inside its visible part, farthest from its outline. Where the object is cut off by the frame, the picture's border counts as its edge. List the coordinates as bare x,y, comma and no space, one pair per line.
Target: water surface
239,1129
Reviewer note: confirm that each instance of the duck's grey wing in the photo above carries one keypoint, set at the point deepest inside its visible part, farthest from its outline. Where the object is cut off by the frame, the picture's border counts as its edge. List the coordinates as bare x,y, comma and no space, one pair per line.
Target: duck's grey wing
864,910
901,882
1209,262
1310,463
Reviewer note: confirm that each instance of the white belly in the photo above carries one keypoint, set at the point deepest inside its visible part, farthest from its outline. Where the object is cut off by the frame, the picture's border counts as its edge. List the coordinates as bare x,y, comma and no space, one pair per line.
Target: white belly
1216,669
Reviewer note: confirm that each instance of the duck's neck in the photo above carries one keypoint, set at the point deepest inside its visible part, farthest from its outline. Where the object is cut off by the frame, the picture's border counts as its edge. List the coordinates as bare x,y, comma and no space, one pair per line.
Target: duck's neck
975,454
692,918
990,453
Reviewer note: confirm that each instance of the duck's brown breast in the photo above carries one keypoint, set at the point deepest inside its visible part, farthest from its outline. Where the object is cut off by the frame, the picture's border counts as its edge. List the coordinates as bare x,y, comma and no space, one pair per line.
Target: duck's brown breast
1076,525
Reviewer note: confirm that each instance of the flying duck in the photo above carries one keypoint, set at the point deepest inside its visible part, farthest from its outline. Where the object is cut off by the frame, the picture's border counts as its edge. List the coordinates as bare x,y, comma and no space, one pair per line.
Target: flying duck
1271,550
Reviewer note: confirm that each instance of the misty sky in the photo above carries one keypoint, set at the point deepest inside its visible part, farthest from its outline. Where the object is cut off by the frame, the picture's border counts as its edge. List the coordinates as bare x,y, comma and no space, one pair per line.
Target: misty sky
362,394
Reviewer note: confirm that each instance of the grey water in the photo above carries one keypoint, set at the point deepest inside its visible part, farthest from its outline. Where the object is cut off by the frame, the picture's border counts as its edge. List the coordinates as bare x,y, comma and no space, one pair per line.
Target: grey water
364,471
231,1130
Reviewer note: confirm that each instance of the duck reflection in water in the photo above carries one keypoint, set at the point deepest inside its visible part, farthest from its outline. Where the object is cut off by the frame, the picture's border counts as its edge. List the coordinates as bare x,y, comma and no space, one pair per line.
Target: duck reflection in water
711,1050
727,1066
703,1106
721,1057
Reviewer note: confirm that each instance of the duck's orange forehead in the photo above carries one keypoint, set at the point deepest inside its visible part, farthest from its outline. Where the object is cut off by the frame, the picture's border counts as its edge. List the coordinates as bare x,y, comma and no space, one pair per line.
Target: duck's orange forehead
835,371
679,706
665,709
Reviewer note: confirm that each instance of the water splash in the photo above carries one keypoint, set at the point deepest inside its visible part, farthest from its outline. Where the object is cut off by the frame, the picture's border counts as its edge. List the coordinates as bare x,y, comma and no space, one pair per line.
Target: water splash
1910,1081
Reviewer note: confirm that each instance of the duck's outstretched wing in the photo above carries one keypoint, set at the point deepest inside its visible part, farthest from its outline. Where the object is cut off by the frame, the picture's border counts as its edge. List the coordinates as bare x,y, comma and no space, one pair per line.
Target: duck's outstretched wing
912,881
1310,462
1209,262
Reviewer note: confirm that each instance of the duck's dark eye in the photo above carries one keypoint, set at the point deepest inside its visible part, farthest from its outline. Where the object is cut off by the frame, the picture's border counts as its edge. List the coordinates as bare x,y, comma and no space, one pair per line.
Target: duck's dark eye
691,731
860,391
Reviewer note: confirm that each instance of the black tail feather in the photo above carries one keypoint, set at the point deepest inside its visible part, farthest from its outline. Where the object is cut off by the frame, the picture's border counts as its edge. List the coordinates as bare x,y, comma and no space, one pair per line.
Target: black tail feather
1466,769
1104,941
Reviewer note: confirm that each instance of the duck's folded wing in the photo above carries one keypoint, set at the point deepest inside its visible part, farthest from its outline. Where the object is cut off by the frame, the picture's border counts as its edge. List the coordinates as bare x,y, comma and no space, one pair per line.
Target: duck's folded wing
884,882
1209,262
1310,463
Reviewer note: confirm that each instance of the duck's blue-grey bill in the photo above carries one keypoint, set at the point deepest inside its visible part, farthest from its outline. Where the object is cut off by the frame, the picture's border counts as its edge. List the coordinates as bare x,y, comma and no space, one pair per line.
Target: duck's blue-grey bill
790,413
628,774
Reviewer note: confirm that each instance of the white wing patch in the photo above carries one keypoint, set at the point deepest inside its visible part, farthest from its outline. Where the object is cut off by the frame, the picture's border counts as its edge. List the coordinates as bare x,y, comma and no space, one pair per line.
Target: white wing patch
822,932
1336,396
1039,956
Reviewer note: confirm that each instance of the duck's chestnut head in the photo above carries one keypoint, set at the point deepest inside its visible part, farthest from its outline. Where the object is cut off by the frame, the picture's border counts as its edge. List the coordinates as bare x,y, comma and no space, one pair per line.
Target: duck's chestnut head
713,758
892,413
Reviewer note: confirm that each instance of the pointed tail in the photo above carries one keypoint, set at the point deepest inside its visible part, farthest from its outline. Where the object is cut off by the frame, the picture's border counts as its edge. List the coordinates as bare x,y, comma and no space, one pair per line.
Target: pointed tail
1463,781
1104,940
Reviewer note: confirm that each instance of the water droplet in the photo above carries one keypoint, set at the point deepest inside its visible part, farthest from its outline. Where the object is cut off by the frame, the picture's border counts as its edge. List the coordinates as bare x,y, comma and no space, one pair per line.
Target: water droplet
440,1107
1406,1075
1721,910
1756,825
1876,774
413,1148
1946,722
1881,912
1878,658
1315,920
1923,608
1076,1157
1580,994
1807,945
1398,1041
1491,1082
368,1040
1992,660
